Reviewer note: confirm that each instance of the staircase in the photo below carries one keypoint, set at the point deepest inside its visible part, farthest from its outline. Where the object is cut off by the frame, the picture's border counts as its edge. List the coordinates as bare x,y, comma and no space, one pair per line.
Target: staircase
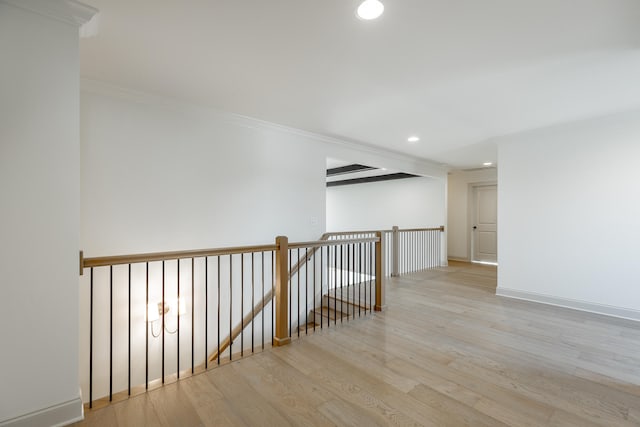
342,303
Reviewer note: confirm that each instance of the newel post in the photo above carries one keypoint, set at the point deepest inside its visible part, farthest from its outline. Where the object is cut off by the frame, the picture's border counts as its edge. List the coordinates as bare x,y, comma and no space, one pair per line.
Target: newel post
440,264
380,279
282,292
395,244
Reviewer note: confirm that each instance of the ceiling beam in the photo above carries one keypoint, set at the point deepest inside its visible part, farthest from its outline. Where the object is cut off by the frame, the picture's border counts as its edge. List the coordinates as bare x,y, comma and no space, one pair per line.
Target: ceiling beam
369,179
348,169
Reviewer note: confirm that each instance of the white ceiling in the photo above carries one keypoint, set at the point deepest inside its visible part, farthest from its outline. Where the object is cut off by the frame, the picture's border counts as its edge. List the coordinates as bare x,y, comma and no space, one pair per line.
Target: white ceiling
454,72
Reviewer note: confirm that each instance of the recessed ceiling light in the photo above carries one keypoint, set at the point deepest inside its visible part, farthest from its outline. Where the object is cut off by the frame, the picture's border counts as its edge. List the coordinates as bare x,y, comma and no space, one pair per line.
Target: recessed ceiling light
370,9
487,164
413,139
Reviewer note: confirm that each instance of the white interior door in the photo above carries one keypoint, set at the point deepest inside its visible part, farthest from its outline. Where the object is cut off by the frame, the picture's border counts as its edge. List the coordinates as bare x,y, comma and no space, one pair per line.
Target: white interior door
485,224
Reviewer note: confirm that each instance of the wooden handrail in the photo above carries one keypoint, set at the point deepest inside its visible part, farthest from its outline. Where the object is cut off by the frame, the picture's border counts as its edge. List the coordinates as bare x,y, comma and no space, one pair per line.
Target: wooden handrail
324,241
349,233
296,267
320,243
163,256
198,253
441,228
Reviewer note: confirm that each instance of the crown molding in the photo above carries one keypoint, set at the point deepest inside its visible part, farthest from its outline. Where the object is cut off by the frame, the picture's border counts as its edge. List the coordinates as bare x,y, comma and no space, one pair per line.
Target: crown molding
428,167
345,143
70,12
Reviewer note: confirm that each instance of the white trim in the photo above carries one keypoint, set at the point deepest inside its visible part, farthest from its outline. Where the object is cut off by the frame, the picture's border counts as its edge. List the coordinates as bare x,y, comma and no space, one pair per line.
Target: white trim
495,263
68,11
430,168
453,258
61,414
607,310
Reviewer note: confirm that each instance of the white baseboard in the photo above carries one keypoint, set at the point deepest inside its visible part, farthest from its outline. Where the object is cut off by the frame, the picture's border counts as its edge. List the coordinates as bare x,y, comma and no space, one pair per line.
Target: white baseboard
458,259
607,310
58,415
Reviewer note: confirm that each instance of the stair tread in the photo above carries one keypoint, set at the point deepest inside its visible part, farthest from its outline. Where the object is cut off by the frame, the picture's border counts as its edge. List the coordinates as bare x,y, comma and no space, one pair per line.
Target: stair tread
329,312
309,326
347,297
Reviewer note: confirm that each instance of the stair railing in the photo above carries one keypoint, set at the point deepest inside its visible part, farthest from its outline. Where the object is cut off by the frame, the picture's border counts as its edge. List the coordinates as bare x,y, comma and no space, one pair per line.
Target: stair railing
414,249
405,250
157,317
185,311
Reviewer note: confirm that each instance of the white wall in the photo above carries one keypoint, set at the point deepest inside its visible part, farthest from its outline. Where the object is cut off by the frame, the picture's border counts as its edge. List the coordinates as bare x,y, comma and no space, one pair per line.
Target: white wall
40,213
458,200
158,175
569,215
407,203
161,177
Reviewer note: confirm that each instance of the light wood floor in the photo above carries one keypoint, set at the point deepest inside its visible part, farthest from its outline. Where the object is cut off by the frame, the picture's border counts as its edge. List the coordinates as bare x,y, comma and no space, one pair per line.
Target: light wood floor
447,352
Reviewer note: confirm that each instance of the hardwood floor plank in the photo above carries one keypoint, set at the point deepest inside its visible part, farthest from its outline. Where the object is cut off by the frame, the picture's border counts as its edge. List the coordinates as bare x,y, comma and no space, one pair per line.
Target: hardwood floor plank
361,355
292,394
139,411
446,352
562,418
209,403
473,391
172,406
608,382
457,413
246,403
103,417
343,413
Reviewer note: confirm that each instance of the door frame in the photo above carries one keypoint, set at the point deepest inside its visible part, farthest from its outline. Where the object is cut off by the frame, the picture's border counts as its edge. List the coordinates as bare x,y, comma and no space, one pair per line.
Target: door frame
471,211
